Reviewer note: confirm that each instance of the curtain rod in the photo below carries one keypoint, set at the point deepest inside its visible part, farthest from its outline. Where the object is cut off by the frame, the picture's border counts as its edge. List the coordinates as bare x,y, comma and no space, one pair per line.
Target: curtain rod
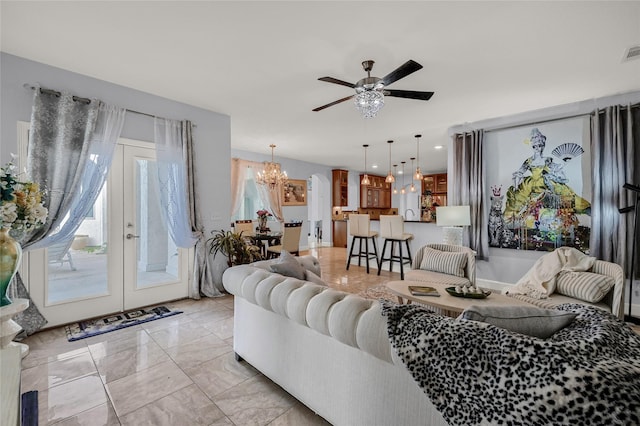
564,117
88,101
550,120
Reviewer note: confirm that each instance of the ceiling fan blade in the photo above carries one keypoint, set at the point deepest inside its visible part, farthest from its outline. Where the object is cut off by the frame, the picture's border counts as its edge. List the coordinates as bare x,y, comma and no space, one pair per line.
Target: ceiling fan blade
402,71
336,81
333,103
409,94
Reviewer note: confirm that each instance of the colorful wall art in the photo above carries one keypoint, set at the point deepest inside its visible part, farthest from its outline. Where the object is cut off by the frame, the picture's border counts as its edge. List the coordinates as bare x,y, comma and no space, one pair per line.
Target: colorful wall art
540,186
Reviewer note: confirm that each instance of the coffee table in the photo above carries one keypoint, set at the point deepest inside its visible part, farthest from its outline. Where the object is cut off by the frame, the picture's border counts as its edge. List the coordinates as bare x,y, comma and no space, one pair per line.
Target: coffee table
446,304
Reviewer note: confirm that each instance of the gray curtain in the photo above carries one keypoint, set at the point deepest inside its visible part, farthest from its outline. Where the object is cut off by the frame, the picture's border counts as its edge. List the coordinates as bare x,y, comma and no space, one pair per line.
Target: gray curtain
467,186
71,144
615,157
205,269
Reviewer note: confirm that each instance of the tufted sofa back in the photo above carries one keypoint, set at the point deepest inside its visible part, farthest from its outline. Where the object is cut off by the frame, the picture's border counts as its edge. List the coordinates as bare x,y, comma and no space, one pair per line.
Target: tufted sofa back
348,318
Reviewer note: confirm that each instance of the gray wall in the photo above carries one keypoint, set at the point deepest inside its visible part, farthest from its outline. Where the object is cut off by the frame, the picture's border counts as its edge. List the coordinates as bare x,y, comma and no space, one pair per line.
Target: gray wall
212,136
298,170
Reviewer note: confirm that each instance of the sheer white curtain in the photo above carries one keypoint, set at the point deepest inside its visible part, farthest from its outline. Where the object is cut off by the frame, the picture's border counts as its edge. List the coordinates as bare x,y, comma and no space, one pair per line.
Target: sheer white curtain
271,198
176,178
172,179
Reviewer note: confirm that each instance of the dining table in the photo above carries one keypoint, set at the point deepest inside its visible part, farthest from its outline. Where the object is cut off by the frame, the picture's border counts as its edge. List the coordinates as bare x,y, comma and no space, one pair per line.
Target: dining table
265,240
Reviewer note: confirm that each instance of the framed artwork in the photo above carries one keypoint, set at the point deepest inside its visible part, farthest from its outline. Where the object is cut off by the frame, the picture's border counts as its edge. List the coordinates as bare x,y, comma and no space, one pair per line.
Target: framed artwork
539,186
295,193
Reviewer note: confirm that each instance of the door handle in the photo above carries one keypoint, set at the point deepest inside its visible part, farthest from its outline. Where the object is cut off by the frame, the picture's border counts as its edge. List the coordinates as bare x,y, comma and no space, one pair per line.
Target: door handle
130,236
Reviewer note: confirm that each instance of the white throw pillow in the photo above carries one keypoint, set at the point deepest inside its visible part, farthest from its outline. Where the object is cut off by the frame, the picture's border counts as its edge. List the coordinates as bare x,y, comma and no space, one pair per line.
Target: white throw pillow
532,321
586,286
452,263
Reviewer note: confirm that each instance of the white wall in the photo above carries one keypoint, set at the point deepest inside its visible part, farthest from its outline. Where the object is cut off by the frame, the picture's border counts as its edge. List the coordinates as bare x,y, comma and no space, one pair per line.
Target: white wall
212,134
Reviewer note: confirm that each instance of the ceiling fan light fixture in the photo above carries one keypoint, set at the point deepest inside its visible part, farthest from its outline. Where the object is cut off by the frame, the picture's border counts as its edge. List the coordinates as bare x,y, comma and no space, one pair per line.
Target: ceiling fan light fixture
369,102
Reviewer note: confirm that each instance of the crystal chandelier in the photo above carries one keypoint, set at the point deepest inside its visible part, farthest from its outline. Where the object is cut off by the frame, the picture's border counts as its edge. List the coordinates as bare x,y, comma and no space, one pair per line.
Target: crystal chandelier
271,176
365,179
369,102
395,172
402,190
418,175
413,187
390,178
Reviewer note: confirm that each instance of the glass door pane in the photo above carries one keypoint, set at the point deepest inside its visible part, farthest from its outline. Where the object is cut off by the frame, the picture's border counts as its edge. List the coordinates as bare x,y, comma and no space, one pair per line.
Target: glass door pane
77,268
156,254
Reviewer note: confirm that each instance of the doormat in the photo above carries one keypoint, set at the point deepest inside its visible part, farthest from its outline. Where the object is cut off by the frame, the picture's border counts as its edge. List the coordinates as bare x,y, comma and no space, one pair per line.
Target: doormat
93,327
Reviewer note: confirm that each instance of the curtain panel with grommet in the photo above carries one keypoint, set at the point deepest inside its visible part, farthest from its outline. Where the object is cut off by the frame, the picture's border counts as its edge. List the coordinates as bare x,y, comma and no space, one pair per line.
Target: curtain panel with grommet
467,187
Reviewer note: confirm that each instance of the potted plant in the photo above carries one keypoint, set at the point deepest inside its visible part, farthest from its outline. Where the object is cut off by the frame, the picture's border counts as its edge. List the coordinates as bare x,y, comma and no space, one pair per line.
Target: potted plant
235,246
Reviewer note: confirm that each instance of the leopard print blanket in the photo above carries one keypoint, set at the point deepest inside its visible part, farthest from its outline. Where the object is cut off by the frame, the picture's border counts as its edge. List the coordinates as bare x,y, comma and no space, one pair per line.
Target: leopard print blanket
477,374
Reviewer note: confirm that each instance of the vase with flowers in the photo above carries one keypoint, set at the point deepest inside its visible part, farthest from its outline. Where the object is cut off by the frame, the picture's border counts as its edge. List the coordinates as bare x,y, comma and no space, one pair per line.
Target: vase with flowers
21,211
263,215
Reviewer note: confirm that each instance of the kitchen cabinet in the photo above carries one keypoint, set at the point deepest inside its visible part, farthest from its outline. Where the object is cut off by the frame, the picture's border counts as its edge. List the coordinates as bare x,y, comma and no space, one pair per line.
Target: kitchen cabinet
340,233
436,184
375,195
340,187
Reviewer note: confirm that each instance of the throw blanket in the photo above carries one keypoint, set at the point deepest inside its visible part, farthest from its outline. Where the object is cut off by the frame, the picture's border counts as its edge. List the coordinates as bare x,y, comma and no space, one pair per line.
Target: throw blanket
539,281
476,373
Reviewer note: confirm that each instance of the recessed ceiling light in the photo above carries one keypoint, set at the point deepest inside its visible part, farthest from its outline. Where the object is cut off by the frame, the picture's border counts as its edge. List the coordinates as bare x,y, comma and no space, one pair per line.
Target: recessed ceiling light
438,147
374,165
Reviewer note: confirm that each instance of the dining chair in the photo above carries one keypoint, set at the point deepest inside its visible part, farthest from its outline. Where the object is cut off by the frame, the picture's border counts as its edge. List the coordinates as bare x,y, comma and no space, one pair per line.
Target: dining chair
245,226
392,230
359,230
290,240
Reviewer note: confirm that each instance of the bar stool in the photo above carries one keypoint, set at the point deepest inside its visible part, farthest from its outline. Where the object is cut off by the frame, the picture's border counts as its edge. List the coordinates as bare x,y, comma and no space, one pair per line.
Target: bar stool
392,229
359,230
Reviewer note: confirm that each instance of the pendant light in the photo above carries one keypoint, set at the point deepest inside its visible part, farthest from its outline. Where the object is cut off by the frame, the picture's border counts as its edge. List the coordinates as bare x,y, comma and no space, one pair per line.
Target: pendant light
365,179
390,178
395,172
418,175
402,191
413,187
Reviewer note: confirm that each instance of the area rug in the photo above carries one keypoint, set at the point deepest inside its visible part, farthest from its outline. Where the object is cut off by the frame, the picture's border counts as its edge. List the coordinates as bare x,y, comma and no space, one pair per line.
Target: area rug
377,292
93,327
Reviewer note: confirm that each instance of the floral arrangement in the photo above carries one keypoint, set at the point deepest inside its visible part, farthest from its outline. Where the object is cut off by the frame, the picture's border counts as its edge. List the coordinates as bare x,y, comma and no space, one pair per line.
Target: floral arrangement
21,206
263,213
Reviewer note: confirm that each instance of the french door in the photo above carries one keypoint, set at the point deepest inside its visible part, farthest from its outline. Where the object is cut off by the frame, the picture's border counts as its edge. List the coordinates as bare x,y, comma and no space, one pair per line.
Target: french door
121,257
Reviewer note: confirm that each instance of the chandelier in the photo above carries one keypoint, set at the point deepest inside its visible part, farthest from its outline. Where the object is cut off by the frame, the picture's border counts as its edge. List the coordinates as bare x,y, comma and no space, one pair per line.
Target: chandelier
365,179
369,102
271,176
390,178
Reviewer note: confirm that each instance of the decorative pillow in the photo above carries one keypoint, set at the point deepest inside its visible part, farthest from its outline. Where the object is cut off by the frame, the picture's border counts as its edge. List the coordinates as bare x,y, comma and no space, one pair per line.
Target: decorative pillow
287,265
446,262
532,321
586,286
313,278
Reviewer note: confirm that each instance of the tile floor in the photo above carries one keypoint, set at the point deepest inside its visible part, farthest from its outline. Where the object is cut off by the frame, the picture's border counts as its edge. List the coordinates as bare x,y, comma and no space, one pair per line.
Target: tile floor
175,371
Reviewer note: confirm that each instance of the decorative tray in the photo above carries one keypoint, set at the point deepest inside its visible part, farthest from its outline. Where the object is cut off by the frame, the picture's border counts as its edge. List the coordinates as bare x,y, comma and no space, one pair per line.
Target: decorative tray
452,291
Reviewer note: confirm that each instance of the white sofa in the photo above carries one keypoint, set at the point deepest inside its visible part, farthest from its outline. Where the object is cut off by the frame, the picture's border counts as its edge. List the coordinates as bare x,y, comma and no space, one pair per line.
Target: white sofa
327,348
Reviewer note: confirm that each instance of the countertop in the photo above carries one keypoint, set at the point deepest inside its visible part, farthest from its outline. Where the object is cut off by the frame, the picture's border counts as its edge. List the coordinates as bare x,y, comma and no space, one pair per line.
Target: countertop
378,220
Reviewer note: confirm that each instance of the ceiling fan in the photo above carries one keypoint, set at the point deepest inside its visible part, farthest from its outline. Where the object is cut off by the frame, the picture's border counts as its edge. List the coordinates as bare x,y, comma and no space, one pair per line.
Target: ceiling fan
370,91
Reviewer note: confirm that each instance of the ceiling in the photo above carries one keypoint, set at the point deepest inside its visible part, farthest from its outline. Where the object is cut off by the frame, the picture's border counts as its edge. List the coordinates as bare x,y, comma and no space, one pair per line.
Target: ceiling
259,63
